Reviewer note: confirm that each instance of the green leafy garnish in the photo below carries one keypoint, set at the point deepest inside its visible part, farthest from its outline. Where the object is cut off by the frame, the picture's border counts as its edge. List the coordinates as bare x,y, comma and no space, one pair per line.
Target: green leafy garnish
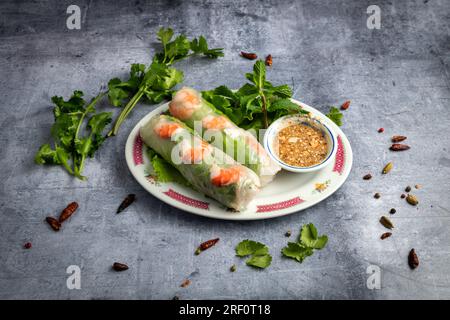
257,103
163,170
308,241
71,148
155,82
335,115
260,257
296,251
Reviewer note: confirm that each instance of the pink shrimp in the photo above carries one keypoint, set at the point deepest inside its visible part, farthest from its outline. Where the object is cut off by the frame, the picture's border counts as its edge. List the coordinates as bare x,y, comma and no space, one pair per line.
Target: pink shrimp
195,154
216,122
166,130
225,176
184,103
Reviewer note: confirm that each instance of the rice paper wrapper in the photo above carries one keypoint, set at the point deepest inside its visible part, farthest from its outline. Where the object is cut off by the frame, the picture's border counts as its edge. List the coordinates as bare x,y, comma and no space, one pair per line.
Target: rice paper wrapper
207,168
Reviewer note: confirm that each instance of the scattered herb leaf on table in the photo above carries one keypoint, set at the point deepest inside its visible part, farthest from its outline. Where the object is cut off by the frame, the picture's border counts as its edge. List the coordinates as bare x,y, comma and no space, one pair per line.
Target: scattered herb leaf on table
260,257
308,241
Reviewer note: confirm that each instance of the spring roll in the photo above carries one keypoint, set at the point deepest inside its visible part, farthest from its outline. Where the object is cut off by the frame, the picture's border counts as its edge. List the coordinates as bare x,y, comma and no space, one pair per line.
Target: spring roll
208,169
188,106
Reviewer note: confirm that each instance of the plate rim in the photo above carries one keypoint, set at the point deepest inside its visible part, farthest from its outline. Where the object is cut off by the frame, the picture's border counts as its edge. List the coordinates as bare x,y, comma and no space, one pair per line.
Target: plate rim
230,215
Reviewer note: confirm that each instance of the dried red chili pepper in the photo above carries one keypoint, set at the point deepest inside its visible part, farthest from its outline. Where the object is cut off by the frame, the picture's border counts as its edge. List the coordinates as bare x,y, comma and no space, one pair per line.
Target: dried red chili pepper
381,130
345,105
119,266
54,223
126,202
206,245
249,55
399,147
269,60
385,235
413,260
68,211
27,245
398,138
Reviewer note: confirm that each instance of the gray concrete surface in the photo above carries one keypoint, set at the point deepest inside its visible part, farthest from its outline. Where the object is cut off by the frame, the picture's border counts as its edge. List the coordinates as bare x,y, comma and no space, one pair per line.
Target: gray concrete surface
397,77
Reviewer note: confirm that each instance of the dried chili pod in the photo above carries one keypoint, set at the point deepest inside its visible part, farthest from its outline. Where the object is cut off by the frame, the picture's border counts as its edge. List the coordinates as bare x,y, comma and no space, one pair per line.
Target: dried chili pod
398,138
117,266
413,259
345,105
126,202
269,60
54,223
68,211
399,147
385,235
249,55
206,245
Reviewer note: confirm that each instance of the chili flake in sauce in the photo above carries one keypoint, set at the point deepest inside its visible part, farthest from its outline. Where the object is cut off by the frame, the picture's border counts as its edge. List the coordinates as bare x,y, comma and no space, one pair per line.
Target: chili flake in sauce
301,145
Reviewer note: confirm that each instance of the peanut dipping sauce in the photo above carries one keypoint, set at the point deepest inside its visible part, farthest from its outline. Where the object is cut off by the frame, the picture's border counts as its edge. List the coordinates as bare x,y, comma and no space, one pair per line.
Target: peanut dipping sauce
300,145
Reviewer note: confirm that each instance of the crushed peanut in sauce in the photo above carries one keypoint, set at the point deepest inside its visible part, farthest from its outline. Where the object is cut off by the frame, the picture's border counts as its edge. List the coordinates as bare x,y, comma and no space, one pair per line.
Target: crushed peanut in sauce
301,145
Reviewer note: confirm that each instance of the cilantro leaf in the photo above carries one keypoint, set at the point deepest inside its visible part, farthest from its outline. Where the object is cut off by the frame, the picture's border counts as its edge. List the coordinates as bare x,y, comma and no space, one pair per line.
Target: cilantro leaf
156,82
200,46
309,237
248,247
46,155
335,115
296,251
70,148
308,241
119,90
260,257
260,261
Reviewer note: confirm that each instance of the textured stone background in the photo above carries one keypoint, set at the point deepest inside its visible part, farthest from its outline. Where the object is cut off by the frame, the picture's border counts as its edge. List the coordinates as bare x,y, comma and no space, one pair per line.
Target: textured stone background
397,77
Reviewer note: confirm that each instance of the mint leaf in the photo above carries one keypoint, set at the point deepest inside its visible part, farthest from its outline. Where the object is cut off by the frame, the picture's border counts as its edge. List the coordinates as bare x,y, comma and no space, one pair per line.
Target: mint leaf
335,115
261,261
309,237
296,251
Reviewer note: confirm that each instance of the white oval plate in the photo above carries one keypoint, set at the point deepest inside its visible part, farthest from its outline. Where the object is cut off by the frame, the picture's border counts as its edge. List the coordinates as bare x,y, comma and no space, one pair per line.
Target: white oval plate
287,193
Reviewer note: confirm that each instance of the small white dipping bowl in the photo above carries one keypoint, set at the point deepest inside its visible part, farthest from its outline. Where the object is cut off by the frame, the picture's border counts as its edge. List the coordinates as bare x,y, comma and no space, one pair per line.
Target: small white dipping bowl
283,122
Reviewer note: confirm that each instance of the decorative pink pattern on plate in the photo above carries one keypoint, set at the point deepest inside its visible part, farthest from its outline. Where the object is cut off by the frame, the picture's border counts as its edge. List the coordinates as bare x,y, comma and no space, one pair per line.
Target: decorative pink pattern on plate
137,150
279,205
340,157
187,200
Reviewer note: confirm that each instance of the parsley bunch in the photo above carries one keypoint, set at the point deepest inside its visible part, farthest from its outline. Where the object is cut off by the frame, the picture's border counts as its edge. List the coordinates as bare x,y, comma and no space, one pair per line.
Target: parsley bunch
70,148
308,241
156,81
257,103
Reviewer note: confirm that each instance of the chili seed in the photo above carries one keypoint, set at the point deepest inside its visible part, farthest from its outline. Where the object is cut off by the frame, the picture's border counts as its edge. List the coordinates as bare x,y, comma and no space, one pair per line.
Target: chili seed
377,195
27,245
392,211
367,176
408,189
233,268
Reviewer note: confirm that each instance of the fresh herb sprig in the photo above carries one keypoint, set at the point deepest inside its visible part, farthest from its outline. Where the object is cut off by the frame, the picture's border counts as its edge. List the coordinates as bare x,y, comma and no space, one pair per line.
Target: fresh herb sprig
71,148
156,81
257,103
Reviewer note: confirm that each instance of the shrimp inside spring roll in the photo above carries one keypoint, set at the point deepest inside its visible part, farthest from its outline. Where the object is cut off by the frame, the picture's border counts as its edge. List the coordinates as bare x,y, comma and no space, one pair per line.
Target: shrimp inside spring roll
215,127
208,169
